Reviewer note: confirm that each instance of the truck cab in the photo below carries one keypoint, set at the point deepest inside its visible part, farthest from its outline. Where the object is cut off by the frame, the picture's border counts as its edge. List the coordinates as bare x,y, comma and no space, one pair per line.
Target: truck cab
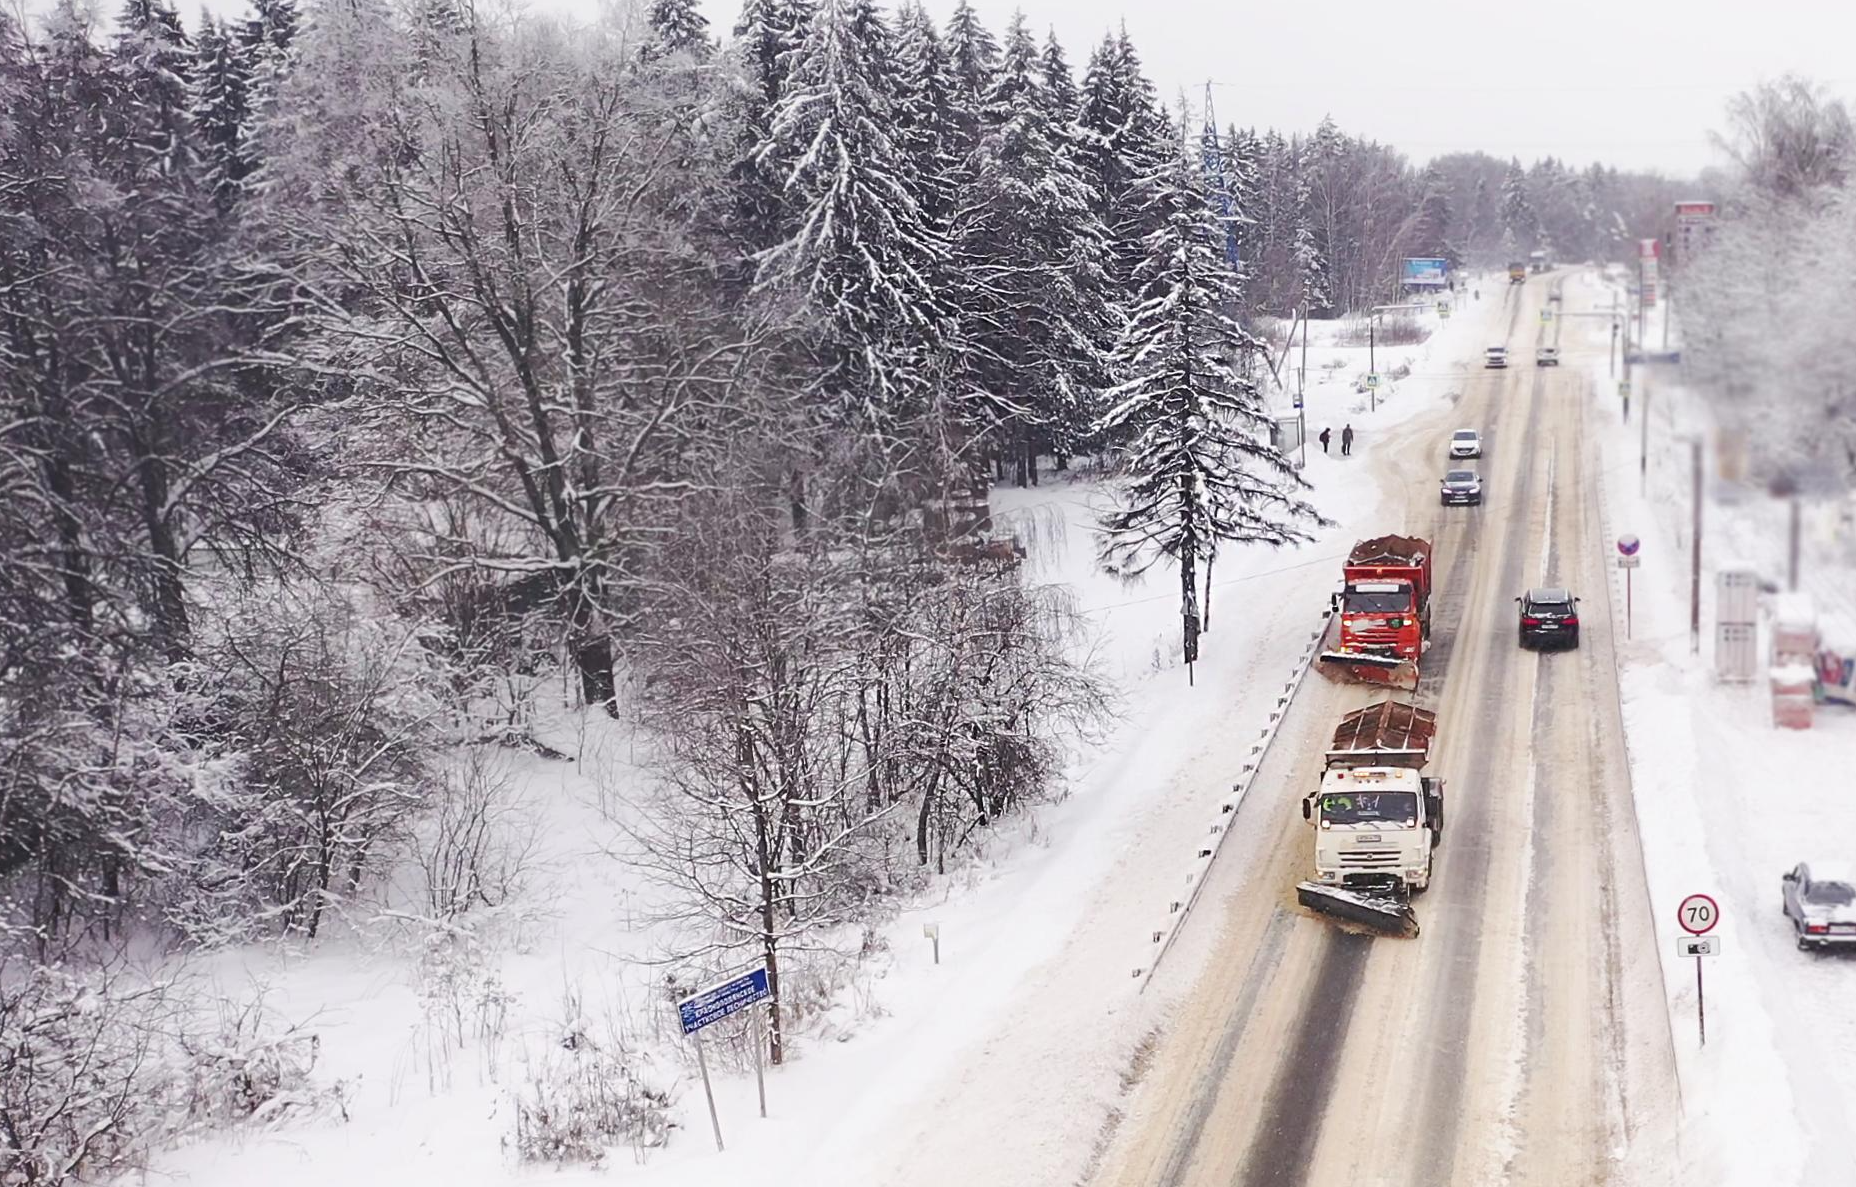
1382,617
1375,828
1517,273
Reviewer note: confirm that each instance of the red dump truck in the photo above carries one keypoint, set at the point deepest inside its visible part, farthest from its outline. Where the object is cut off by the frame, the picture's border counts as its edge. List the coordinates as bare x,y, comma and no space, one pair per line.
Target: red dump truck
1383,612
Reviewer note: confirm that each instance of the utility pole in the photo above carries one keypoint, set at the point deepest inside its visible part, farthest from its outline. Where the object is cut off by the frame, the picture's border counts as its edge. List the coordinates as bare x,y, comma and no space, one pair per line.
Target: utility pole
1301,390
1792,542
1612,358
1372,372
1643,448
1694,567
1640,302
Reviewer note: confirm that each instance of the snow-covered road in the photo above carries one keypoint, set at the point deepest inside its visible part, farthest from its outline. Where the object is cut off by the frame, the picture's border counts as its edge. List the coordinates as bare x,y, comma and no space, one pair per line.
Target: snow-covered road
1521,1038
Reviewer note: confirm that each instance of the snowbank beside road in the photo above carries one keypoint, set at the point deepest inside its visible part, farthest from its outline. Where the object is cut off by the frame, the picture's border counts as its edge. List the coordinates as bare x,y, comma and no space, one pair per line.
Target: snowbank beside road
1726,803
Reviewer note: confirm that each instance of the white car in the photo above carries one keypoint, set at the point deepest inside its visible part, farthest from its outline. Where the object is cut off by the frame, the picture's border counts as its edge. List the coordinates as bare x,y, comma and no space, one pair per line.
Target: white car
1495,356
1821,905
1547,356
1466,443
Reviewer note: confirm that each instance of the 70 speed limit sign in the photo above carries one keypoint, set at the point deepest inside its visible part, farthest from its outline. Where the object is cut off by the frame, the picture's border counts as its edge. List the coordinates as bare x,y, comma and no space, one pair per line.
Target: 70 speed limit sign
1698,914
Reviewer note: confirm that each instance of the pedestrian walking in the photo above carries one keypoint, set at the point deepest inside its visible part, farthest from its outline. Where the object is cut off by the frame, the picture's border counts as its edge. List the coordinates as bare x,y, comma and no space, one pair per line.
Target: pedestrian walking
1346,441
1325,434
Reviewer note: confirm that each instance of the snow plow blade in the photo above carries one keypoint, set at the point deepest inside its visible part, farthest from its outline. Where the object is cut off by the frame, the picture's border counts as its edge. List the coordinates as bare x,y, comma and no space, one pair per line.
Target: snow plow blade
1388,670
1382,913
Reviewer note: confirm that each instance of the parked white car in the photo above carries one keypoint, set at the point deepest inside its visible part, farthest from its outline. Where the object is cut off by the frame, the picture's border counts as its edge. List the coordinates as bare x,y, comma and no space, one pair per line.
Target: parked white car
1821,905
1466,443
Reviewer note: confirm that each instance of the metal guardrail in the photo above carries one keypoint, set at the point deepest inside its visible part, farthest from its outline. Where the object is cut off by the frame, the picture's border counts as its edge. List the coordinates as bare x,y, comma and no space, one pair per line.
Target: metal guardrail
1178,910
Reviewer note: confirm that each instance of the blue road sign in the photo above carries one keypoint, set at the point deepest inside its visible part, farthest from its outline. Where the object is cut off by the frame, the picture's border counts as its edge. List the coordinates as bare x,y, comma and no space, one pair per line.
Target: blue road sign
719,1001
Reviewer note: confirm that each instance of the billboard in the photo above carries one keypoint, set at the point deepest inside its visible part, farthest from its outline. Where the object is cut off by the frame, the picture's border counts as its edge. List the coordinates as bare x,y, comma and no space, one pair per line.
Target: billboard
1694,228
1424,273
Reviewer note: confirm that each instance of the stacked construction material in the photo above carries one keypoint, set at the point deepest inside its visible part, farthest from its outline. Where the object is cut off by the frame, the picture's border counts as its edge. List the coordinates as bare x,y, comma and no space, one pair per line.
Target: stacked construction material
1793,674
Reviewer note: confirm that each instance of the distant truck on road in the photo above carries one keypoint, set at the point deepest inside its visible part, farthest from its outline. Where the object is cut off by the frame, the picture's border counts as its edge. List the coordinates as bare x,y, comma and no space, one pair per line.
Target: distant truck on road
1517,274
1377,817
1537,261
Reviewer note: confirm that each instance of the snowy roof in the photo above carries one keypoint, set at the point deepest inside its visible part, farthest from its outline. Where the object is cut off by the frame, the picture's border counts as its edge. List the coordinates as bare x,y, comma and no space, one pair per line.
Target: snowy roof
1794,609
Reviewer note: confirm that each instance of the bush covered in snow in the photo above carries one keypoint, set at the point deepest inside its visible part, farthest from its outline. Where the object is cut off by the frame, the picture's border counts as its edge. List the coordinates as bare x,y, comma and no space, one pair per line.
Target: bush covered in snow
584,1098
97,1069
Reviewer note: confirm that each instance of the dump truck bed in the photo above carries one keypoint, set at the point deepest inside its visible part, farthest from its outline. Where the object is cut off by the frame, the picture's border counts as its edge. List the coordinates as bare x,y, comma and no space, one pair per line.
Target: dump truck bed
1391,551
1388,734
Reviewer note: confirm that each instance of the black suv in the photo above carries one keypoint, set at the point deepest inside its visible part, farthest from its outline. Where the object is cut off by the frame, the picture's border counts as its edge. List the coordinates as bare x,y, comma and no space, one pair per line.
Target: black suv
1549,616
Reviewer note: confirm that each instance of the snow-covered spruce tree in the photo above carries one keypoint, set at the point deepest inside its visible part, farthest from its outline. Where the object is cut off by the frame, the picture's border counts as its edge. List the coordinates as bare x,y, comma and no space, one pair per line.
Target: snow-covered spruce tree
678,27
973,57
1126,135
1431,226
1199,468
1520,228
267,42
858,250
924,111
1036,259
1484,228
1242,152
766,36
220,110
1308,285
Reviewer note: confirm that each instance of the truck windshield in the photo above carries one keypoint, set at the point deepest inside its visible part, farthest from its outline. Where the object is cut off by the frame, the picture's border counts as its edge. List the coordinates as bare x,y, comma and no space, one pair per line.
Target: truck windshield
1370,807
1377,603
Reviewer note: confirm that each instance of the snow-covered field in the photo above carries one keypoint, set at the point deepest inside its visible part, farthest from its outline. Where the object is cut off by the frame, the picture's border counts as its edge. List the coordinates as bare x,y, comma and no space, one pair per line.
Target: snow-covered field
911,1074
1727,802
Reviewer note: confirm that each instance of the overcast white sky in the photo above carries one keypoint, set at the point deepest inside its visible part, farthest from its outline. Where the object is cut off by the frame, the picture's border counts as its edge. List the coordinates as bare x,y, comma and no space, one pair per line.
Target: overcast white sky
1635,83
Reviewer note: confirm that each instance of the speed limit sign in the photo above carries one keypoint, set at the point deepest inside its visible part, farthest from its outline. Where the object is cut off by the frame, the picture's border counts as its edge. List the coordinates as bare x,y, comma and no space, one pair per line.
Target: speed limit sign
1698,914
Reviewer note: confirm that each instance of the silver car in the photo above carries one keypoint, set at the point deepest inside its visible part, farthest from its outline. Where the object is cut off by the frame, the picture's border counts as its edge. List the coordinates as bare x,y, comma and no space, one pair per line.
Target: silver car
1466,443
1821,905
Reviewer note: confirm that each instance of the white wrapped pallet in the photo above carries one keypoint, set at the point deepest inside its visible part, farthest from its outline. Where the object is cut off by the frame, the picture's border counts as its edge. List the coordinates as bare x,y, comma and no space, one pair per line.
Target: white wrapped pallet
1736,594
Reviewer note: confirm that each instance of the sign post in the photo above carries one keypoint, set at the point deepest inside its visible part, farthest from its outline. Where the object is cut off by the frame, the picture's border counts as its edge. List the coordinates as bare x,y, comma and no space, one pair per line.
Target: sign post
1698,916
1628,560
711,1005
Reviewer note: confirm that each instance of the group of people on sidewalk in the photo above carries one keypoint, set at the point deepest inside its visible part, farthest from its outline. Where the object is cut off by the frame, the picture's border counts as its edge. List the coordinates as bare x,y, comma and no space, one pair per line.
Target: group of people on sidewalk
1346,440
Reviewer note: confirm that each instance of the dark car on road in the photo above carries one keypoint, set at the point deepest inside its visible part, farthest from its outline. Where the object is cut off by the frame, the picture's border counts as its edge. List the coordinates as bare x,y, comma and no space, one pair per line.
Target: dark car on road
1461,486
1821,905
1550,616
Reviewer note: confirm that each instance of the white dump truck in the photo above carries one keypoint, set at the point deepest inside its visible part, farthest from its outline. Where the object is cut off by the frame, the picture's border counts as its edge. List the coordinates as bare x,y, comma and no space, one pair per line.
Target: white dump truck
1377,817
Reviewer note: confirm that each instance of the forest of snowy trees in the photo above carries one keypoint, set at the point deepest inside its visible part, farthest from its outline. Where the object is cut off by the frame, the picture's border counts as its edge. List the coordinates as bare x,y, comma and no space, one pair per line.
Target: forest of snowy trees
1765,309
370,375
